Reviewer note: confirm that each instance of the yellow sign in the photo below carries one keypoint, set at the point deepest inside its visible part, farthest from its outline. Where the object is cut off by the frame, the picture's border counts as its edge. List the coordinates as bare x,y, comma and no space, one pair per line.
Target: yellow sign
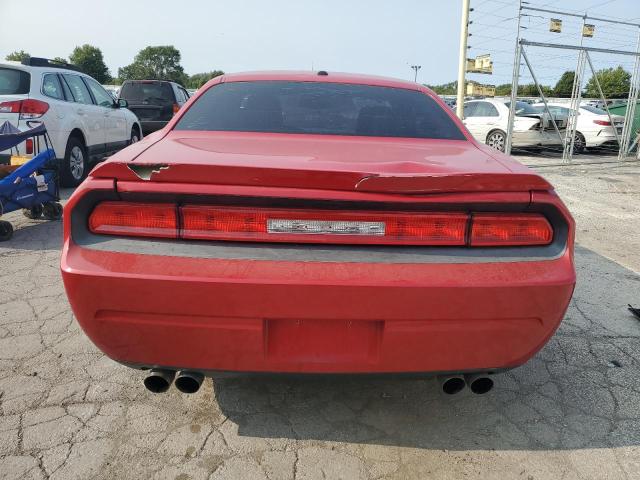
555,25
480,64
588,30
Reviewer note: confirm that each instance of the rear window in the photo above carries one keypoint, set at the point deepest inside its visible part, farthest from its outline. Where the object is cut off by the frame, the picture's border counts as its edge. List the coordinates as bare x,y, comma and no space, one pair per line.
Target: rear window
596,110
523,108
319,108
14,82
150,93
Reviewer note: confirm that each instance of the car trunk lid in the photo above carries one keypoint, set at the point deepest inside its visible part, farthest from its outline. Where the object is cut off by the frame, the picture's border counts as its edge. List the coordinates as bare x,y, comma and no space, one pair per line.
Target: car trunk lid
381,165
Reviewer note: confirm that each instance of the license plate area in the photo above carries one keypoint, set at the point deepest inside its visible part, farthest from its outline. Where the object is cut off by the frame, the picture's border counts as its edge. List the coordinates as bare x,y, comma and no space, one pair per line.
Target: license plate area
323,341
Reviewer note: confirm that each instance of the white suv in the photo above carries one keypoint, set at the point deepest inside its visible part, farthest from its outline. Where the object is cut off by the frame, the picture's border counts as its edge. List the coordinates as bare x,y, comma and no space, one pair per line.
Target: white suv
84,122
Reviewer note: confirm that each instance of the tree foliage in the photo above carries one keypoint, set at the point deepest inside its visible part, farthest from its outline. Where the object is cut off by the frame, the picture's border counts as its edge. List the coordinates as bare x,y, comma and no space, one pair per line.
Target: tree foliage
615,82
530,90
503,89
450,88
564,87
155,63
198,79
17,56
89,59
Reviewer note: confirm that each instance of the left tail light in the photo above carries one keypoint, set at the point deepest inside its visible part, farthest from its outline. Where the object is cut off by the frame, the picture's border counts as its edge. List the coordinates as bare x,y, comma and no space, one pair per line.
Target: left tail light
224,223
28,109
604,123
29,146
176,107
135,219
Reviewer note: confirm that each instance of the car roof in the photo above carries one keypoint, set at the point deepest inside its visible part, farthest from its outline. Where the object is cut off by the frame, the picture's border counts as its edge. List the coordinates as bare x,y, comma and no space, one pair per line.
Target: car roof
35,69
312,76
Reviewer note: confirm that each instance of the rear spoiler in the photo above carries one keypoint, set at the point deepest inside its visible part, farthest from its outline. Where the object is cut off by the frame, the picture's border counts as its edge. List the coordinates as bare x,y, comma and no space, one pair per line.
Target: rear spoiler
320,179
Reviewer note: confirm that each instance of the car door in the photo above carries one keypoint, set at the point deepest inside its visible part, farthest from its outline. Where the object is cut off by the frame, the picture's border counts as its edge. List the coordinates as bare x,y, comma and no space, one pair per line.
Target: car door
115,124
482,118
90,114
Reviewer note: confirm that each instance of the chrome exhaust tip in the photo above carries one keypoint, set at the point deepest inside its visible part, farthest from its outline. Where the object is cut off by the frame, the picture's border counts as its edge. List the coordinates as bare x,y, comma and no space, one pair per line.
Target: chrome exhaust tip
159,381
451,384
189,382
479,383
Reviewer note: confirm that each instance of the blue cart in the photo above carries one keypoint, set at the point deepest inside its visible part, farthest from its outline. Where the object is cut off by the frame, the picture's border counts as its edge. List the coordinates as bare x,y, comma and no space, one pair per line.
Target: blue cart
32,187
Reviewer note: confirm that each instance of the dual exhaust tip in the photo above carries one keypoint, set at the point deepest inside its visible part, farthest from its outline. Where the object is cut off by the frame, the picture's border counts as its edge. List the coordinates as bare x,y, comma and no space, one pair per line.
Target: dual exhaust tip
478,383
159,381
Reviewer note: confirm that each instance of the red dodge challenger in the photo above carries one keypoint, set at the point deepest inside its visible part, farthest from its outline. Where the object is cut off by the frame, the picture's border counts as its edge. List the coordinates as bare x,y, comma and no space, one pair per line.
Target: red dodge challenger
311,222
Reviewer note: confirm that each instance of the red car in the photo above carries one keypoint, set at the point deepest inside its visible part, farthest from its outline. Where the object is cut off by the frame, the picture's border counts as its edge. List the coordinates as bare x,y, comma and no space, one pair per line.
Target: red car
316,223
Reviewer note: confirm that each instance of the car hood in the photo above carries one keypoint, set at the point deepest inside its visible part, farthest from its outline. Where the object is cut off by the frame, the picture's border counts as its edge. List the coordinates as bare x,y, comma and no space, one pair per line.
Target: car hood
323,162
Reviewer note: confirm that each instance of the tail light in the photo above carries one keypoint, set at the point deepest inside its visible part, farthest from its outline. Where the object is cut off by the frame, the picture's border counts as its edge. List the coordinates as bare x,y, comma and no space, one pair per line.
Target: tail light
136,219
28,109
535,126
605,123
322,226
176,107
29,146
490,230
223,223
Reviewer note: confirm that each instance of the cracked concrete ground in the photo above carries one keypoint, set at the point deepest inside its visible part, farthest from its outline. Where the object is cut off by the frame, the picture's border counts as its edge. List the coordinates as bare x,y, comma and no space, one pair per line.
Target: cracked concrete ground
573,412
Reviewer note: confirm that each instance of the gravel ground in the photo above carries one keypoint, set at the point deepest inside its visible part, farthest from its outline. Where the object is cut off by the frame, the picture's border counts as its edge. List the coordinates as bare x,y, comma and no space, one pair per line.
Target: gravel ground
573,412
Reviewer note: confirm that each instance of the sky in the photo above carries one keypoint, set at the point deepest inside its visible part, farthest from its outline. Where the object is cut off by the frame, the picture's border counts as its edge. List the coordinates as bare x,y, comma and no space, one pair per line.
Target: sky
382,37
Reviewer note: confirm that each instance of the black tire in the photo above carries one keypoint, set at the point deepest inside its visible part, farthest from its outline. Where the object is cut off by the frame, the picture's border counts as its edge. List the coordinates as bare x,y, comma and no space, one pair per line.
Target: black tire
497,139
579,143
6,231
135,136
75,165
34,212
52,211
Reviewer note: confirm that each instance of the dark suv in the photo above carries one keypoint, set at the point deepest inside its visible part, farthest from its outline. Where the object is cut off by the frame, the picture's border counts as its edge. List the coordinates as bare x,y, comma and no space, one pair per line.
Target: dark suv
153,101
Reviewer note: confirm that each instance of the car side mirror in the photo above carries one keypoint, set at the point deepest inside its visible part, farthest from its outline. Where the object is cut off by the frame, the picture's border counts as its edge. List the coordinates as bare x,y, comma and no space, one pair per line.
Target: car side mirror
122,103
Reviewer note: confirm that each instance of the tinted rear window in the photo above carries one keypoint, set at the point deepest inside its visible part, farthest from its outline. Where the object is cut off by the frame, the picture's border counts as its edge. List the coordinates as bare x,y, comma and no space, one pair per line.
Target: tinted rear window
319,108
152,93
14,82
596,110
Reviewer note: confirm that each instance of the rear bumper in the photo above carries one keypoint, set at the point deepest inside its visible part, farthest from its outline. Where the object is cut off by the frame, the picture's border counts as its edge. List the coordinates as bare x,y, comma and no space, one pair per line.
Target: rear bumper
315,317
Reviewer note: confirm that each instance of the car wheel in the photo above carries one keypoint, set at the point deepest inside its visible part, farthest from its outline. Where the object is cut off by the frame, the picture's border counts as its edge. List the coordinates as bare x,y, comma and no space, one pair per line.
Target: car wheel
6,231
75,165
135,136
52,211
34,212
497,139
579,143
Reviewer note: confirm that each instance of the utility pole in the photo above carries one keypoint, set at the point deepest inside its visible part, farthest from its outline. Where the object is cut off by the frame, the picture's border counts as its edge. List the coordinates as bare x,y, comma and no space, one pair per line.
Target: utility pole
462,61
415,69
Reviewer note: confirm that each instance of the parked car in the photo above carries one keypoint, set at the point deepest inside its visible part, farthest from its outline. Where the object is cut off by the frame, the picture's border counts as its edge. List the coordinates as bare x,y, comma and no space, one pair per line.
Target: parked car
593,128
317,223
84,122
487,120
155,102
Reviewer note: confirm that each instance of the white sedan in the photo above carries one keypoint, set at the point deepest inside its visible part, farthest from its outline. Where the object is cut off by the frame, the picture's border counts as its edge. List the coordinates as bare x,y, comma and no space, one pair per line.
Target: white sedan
594,127
487,121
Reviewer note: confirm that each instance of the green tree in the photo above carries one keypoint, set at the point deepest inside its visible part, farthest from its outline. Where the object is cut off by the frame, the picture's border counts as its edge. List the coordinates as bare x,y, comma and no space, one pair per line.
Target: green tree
155,63
503,89
450,88
564,87
198,79
17,56
89,59
615,82
530,90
